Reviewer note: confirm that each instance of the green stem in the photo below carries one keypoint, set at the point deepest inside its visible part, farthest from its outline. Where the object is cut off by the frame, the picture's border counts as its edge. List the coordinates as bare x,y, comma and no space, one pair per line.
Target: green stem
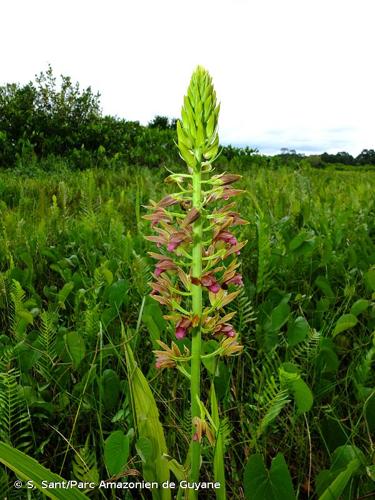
196,340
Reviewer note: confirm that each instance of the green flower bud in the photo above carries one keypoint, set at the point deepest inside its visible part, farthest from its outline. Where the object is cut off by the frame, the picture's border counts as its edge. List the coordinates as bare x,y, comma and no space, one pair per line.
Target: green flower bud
197,132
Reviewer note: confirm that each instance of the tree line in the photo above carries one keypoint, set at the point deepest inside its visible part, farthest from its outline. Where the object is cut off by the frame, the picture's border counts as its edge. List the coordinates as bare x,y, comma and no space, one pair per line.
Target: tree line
48,119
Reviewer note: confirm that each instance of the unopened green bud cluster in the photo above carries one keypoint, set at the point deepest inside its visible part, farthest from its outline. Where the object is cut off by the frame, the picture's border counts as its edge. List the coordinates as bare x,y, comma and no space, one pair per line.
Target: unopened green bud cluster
198,138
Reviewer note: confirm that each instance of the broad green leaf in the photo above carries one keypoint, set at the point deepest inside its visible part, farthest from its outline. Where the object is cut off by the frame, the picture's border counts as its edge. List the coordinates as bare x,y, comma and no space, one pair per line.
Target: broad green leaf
153,319
345,322
346,460
145,449
64,293
260,484
279,316
333,433
290,376
117,294
325,286
297,331
327,360
370,279
110,389
343,455
370,469
302,395
146,415
335,489
298,240
28,469
75,346
222,380
116,452
359,306
219,466
26,316
178,470
211,363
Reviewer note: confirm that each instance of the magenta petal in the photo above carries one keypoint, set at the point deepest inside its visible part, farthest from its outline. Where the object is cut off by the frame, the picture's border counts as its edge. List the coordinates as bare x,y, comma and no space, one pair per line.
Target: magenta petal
214,288
180,333
172,246
236,280
158,271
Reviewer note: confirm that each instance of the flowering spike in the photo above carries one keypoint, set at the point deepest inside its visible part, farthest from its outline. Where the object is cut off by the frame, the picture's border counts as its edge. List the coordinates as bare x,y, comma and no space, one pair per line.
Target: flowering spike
196,274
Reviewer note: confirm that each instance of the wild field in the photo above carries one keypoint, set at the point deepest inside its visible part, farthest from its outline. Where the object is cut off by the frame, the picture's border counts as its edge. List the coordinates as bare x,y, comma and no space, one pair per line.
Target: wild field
74,295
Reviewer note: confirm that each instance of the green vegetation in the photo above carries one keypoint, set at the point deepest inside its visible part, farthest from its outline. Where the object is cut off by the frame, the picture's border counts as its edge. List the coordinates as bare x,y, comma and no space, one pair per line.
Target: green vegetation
79,390
74,268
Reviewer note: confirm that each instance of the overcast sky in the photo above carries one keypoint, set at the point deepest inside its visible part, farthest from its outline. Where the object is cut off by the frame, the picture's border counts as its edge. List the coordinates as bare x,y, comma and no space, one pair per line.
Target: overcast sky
289,73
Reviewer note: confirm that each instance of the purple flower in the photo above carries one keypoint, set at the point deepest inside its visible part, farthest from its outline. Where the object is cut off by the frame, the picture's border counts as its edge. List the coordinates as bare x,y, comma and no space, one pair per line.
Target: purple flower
164,265
175,240
227,237
215,288
236,280
182,327
172,246
180,332
209,281
225,329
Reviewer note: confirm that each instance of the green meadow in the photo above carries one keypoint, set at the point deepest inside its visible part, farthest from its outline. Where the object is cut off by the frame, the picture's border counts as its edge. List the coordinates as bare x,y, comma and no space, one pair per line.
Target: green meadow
74,302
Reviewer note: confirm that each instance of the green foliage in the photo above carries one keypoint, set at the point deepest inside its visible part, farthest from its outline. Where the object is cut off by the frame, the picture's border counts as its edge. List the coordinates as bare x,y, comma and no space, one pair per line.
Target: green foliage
29,469
85,464
14,419
78,233
116,452
146,415
275,484
346,462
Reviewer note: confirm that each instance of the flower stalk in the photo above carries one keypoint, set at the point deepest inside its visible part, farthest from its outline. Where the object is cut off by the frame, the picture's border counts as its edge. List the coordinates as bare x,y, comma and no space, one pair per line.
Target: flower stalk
196,274
197,311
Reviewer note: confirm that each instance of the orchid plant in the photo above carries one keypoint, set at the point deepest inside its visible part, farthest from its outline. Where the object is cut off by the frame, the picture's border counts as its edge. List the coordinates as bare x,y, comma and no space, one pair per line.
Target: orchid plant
197,269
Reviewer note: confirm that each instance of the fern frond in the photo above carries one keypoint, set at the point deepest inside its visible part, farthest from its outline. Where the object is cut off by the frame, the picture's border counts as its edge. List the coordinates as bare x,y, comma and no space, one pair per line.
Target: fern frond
307,349
4,483
7,358
47,344
84,463
91,322
245,312
140,271
186,422
15,426
271,398
225,430
20,316
276,400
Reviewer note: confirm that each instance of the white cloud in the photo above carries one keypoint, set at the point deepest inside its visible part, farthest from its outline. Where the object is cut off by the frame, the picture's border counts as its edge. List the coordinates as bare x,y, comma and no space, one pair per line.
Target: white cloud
301,67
